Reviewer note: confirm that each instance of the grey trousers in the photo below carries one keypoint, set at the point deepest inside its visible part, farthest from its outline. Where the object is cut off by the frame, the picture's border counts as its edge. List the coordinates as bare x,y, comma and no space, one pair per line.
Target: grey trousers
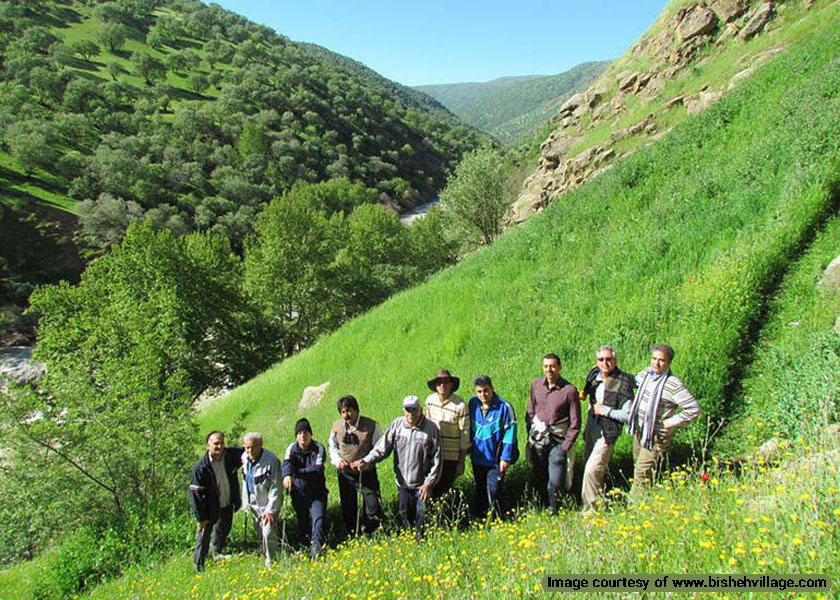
268,534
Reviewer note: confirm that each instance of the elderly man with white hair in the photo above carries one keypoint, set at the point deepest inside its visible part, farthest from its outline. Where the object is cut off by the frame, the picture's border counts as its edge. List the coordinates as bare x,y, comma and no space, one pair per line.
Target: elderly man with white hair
263,491
415,442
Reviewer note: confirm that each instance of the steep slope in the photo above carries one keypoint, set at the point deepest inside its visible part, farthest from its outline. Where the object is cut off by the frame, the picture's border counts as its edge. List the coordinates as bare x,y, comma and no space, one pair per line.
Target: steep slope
692,55
284,111
508,107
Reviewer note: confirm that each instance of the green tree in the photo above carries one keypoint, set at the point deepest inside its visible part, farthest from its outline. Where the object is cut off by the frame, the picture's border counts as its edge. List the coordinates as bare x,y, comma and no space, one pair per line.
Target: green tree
335,195
106,219
198,82
287,269
31,145
479,193
86,49
113,36
151,325
114,68
373,262
148,67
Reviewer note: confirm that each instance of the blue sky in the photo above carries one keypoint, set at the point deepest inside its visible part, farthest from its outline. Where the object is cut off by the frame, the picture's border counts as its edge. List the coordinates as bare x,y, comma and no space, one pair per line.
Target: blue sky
435,41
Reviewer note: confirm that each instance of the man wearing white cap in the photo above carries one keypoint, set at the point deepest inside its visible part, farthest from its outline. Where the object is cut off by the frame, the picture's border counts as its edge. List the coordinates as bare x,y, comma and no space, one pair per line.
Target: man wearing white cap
415,442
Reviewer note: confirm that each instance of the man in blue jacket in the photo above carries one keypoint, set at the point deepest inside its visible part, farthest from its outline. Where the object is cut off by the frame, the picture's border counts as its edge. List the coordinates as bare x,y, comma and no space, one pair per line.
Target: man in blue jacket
303,478
494,444
214,496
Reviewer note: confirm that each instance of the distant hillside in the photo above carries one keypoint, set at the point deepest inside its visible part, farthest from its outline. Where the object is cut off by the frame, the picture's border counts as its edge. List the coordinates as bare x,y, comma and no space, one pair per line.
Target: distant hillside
194,117
459,96
508,107
410,97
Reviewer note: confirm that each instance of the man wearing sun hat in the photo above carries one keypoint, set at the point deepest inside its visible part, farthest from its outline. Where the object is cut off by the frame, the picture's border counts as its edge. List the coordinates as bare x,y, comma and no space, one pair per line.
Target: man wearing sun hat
415,442
449,412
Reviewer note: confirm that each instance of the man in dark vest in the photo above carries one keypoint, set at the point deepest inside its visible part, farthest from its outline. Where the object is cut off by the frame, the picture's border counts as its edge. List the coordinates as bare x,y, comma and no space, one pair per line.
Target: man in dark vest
610,393
352,437
214,496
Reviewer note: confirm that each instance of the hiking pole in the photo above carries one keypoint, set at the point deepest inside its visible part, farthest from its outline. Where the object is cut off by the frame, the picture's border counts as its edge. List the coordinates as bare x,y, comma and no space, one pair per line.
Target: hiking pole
245,531
359,501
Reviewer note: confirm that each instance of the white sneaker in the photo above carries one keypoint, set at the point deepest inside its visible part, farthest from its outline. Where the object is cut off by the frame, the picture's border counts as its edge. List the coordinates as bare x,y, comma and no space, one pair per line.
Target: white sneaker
220,556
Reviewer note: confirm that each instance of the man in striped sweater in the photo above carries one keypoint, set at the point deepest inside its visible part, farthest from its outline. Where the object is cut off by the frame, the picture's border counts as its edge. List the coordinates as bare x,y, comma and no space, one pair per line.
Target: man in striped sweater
662,405
448,411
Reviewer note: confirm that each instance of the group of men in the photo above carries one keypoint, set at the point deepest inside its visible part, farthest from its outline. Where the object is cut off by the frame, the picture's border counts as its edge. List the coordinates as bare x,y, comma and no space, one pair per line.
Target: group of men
430,447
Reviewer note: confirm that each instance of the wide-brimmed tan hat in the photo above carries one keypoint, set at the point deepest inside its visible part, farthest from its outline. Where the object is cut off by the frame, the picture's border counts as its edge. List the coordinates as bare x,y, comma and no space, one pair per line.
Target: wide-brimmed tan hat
443,374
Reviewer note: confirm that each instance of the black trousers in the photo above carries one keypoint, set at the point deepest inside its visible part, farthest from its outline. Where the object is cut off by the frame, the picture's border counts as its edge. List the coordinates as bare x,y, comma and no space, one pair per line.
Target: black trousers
488,490
412,510
311,516
349,487
447,478
218,531
550,474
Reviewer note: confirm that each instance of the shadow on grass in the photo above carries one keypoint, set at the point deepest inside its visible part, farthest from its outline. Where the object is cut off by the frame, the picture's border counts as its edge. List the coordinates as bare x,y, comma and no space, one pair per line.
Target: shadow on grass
61,17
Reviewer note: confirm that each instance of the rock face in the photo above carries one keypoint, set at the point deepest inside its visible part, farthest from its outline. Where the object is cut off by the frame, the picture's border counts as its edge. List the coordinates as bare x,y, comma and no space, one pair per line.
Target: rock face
700,20
831,276
16,366
729,10
667,53
312,395
760,18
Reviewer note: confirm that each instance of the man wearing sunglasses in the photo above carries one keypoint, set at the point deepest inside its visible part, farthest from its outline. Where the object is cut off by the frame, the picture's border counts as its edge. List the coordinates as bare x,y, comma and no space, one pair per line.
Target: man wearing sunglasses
352,437
610,393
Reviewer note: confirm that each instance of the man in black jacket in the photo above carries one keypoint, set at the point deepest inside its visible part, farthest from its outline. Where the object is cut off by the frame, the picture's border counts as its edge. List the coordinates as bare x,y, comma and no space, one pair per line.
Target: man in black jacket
214,496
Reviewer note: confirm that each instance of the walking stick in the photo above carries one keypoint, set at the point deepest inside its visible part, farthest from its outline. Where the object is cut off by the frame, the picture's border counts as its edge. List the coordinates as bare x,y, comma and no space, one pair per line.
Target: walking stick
359,501
245,532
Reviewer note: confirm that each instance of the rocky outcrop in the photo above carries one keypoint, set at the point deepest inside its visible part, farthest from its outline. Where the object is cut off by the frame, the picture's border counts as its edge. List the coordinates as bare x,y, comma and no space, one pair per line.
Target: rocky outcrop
729,10
699,20
676,41
312,395
831,276
759,18
16,366
701,101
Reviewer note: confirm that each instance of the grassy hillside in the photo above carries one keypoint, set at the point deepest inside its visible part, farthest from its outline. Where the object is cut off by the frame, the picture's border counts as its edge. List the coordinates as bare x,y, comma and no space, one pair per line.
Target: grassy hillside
670,79
509,107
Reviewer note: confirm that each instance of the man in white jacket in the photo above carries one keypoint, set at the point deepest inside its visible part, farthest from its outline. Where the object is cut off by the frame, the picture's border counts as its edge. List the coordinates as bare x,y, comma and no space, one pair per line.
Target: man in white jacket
263,491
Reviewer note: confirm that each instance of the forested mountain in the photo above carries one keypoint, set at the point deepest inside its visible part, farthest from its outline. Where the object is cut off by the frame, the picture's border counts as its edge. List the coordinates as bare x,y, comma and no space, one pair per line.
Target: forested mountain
194,117
509,107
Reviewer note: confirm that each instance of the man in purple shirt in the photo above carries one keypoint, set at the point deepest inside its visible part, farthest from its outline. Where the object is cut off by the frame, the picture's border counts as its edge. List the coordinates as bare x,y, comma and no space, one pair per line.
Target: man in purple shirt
553,423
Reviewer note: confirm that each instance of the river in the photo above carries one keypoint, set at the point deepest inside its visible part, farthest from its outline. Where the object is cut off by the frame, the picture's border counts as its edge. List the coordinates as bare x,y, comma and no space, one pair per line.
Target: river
418,212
